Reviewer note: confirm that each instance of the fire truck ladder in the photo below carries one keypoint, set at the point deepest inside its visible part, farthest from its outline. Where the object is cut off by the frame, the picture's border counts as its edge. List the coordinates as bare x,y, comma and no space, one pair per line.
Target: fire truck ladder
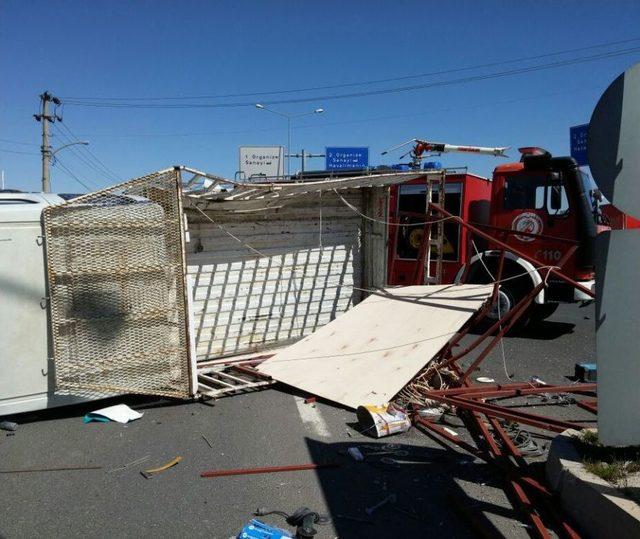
432,243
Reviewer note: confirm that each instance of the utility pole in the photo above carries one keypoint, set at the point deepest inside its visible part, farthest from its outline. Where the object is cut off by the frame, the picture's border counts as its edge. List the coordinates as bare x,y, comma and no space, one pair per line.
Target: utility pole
45,149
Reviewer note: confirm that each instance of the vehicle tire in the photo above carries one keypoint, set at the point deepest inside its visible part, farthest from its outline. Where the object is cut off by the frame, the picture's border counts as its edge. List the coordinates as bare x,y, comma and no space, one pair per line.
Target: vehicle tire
510,292
540,312
509,295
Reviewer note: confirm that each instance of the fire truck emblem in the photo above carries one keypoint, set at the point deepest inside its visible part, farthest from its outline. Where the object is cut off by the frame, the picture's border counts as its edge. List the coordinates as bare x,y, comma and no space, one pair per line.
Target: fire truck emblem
527,222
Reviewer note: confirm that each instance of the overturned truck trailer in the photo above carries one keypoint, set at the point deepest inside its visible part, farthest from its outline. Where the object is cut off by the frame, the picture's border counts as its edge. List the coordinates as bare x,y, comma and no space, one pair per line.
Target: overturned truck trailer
127,288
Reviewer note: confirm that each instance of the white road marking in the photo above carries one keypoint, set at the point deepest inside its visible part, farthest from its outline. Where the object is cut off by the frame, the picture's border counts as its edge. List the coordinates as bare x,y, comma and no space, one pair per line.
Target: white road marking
311,418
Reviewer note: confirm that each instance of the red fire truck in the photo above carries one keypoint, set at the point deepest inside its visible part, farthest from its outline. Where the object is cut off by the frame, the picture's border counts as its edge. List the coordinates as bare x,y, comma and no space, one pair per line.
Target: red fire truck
542,197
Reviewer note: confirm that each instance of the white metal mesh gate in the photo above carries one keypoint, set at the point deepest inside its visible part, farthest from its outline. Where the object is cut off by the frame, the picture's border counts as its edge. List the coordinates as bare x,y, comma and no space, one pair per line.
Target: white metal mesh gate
116,271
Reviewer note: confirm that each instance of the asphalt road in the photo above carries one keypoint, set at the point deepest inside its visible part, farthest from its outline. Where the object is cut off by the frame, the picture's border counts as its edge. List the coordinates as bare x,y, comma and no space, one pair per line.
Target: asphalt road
265,428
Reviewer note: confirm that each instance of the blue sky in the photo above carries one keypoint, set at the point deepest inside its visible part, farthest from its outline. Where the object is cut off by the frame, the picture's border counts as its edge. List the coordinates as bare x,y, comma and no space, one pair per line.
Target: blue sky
159,48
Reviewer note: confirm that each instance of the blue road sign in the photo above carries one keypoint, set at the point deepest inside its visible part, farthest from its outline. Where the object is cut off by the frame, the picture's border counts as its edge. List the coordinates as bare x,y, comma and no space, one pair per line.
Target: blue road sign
578,136
346,158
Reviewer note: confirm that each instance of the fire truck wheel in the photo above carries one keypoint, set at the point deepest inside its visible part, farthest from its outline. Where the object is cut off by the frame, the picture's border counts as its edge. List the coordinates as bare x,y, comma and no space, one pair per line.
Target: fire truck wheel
509,296
542,312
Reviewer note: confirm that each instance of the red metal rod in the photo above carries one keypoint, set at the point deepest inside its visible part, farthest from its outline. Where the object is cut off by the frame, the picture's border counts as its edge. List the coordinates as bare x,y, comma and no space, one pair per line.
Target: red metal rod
480,389
450,437
517,311
513,316
515,476
487,333
477,453
528,258
477,318
394,247
590,406
546,497
530,510
521,496
519,416
523,389
250,371
534,420
271,469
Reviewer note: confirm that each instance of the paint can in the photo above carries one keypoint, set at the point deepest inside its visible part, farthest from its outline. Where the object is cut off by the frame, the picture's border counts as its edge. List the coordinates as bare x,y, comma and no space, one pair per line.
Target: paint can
382,420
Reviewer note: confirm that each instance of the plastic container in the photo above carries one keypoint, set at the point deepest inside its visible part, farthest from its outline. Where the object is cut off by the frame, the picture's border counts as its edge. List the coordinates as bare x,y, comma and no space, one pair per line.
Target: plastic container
382,420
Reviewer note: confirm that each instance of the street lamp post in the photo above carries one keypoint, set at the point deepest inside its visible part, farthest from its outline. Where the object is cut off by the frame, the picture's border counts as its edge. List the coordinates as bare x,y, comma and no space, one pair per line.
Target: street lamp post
46,184
289,117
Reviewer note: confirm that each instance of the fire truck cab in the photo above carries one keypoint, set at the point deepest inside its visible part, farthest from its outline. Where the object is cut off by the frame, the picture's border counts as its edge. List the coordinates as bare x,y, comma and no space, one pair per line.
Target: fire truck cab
546,197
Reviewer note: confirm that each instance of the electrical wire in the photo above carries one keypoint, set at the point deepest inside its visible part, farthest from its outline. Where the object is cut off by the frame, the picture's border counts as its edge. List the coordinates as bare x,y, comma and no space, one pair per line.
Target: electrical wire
85,160
317,125
383,222
93,156
17,151
18,142
445,83
65,169
361,83
504,356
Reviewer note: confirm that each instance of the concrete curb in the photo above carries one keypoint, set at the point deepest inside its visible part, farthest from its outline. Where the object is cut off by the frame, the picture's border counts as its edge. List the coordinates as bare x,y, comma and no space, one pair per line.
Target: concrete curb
597,507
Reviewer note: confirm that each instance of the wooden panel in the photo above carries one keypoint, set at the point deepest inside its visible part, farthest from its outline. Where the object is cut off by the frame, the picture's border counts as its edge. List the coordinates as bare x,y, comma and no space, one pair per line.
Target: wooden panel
371,352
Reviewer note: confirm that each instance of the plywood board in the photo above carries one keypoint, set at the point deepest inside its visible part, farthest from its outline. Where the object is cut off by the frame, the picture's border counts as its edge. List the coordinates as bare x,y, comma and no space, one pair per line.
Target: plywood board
371,352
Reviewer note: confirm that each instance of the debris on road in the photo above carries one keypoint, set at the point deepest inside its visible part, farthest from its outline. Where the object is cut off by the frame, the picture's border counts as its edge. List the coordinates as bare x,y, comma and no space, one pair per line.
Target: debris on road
133,463
586,372
269,469
256,529
389,499
206,440
8,425
120,413
382,420
432,414
148,474
58,469
219,380
303,518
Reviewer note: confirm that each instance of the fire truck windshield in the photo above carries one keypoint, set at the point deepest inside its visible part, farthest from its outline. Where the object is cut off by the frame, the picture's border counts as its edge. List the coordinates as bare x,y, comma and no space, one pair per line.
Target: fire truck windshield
535,192
524,192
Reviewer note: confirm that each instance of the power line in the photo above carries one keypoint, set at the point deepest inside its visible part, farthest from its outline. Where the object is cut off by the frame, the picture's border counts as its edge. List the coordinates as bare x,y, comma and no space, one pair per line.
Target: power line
17,151
94,156
92,161
85,160
476,106
58,163
451,82
360,83
18,142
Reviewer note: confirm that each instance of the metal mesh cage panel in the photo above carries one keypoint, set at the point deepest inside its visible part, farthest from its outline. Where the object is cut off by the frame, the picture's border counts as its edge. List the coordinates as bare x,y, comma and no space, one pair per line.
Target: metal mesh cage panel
115,263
